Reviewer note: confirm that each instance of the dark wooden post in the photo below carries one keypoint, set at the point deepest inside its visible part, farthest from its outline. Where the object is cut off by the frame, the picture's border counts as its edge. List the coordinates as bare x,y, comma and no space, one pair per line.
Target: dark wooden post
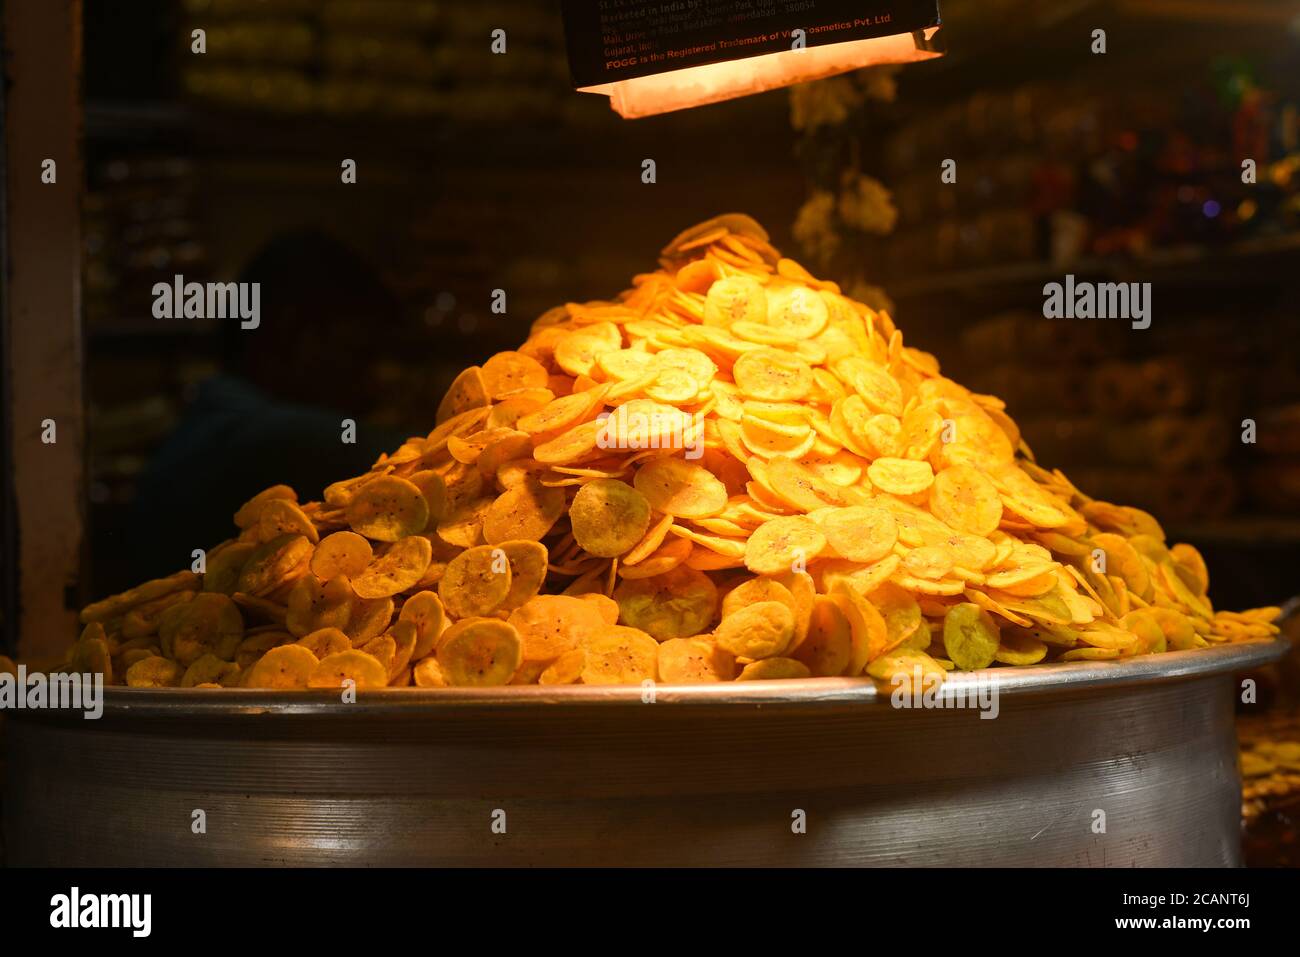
42,374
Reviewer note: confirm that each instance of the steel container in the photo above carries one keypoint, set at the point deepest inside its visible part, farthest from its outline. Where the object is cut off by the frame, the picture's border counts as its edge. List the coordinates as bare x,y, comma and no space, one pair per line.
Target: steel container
1094,764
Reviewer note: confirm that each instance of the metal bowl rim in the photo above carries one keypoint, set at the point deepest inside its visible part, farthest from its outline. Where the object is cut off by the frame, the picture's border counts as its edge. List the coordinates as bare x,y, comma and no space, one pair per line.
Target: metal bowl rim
820,693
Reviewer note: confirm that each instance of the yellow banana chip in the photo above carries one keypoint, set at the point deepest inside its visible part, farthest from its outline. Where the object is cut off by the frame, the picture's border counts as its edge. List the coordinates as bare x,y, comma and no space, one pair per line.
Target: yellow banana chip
680,488
477,652
315,604
900,476
970,637
211,670
860,533
964,498
340,553
282,517
476,582
209,623
1019,648
606,606
366,671
773,375
326,642
774,669
619,655
783,544
154,672
829,646
684,661
550,625
273,564
511,372
564,670
527,571
677,604
428,674
760,630
224,565
388,508
467,392
424,610
907,668
370,617
755,590
867,627
396,570
248,514
281,668
526,511
609,517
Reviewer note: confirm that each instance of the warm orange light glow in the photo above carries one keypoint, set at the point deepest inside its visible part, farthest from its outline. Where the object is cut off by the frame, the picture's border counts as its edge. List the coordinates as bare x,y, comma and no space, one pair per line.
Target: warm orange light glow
713,82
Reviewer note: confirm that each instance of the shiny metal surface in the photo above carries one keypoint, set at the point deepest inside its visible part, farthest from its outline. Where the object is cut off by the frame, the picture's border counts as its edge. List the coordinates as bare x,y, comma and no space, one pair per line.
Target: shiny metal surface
701,775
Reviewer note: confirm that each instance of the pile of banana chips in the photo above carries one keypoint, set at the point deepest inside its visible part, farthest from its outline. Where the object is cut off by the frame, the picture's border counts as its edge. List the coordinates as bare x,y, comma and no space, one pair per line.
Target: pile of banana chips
730,472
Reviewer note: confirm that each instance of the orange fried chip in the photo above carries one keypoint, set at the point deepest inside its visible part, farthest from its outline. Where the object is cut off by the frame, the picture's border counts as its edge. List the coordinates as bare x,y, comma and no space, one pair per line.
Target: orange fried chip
677,604
388,508
476,582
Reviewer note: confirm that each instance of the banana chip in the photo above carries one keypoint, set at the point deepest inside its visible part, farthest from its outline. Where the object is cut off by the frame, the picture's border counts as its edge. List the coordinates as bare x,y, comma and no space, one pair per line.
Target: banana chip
476,582
274,564
564,670
388,508
677,604
550,625
685,661
315,604
211,670
508,373
966,500
774,669
209,623
224,565
370,617
282,517
341,553
366,671
682,489
783,544
154,672
479,651
281,668
619,655
609,517
428,674
424,610
828,649
398,569
970,637
860,533
760,630
607,607
326,642
526,511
